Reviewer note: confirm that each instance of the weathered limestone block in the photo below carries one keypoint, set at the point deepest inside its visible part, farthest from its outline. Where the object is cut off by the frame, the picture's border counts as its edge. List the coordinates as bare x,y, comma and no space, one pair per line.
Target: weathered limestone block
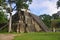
29,21
27,29
26,19
30,28
33,22
22,30
37,27
33,28
18,28
22,26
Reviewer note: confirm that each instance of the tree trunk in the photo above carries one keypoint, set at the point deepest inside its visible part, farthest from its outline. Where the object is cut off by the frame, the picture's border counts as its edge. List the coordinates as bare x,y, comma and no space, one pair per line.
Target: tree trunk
10,22
54,29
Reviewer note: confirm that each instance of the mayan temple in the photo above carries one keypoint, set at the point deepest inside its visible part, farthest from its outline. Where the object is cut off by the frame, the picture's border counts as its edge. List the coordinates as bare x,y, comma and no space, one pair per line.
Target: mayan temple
28,22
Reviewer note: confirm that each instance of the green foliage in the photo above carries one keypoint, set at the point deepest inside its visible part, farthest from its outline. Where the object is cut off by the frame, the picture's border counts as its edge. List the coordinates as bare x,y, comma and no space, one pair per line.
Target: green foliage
55,23
3,18
55,16
1,1
5,30
38,36
25,6
46,19
58,3
21,3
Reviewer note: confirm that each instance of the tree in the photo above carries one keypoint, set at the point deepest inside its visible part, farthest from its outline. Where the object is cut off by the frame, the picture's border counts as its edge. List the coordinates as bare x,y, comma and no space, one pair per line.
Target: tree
46,19
1,2
55,16
9,10
55,24
4,5
58,3
3,18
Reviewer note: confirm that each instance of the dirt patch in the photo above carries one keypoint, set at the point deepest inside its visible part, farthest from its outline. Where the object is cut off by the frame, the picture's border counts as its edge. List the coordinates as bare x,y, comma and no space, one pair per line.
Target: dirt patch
7,36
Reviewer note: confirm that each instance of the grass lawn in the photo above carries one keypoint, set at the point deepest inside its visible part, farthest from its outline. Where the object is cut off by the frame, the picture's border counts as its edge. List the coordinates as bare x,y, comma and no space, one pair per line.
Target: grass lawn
38,36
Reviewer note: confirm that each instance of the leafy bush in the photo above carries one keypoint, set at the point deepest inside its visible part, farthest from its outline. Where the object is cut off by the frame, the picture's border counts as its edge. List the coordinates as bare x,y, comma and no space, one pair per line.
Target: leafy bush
55,23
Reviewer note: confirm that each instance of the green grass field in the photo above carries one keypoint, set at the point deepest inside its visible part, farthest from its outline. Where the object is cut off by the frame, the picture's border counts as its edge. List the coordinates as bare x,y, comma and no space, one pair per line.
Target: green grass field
38,36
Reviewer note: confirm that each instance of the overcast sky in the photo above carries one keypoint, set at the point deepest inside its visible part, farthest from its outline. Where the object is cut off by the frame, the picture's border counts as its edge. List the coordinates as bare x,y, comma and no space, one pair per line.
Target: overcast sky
40,7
